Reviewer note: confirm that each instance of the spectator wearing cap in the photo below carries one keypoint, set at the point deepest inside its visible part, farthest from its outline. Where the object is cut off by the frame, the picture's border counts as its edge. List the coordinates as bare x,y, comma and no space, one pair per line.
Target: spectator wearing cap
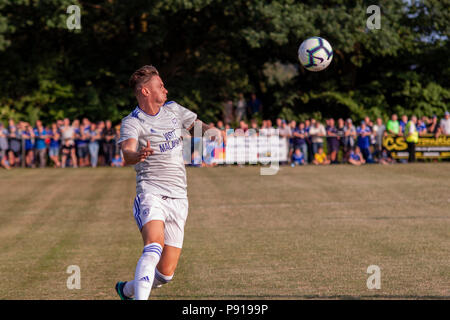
364,133
445,124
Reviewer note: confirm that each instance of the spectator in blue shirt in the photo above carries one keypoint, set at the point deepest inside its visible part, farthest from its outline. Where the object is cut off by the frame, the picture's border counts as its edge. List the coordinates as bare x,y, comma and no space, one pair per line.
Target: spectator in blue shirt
28,135
297,158
299,139
363,143
402,123
356,157
421,127
40,147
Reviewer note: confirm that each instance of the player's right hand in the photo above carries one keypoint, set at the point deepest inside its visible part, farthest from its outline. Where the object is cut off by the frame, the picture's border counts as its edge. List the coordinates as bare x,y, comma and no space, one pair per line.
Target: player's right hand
144,152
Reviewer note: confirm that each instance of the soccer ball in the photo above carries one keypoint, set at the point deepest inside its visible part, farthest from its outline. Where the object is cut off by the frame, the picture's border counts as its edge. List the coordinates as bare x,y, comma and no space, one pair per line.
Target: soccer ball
315,54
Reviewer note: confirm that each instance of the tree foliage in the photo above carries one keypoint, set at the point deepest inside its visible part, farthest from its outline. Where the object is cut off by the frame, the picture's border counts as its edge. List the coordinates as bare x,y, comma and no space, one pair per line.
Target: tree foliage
208,51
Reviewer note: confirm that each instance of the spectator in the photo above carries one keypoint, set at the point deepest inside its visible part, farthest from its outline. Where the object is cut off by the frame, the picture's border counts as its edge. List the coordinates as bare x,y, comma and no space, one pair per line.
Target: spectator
320,158
284,130
82,134
349,138
292,127
368,122
317,133
253,126
309,156
68,144
402,123
421,127
4,146
53,151
255,105
385,157
15,144
40,146
355,157
108,134
28,136
445,124
94,143
340,129
117,161
101,154
220,125
433,126
297,158
241,108
393,126
364,141
379,130
332,141
412,137
299,139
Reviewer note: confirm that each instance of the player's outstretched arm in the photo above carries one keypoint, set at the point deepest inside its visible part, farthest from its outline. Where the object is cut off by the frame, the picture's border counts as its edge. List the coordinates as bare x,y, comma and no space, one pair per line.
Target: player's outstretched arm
131,156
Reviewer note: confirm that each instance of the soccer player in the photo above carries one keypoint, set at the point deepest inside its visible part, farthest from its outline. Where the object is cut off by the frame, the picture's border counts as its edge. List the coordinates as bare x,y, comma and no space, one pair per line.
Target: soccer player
150,139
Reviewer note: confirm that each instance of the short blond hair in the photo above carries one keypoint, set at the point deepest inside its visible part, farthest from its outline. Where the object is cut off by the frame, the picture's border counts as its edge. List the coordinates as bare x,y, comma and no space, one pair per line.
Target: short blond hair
141,76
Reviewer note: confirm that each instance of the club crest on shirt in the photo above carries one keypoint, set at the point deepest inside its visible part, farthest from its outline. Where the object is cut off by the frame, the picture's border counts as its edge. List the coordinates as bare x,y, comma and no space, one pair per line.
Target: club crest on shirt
174,121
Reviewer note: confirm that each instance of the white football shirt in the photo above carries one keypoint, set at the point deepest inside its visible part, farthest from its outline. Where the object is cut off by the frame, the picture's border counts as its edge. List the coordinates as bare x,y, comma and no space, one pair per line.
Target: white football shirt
163,172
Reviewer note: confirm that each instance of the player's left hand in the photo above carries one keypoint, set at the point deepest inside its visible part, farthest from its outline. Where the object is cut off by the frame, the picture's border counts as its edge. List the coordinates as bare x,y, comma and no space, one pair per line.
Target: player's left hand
144,152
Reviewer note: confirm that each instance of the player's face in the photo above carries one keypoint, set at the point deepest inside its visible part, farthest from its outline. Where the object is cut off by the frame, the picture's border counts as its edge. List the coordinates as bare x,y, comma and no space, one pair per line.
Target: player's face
157,90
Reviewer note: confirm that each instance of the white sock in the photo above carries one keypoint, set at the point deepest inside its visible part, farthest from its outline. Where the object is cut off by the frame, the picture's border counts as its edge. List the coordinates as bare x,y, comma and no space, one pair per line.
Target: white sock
145,271
128,289
158,281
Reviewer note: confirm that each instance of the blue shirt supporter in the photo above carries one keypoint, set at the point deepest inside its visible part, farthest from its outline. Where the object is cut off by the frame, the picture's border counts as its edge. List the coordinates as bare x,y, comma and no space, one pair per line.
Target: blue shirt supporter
40,140
363,141
355,156
297,141
53,143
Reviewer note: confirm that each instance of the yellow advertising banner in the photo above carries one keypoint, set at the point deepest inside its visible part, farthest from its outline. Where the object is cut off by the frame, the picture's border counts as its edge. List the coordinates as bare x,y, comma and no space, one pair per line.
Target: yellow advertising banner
428,147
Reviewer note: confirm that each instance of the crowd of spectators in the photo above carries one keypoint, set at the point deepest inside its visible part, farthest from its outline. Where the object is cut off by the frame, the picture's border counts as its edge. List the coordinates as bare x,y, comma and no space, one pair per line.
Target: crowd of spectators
344,141
84,143
60,144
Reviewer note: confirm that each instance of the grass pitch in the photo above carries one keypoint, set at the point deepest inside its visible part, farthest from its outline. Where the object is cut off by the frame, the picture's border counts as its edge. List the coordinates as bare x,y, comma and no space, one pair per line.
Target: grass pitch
306,232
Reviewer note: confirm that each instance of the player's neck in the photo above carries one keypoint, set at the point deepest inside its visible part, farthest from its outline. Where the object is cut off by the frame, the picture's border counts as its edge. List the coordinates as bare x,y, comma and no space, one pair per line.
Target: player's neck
151,108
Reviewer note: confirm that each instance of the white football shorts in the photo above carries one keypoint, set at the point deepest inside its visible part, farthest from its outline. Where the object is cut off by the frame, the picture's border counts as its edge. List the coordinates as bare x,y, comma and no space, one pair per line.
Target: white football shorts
173,212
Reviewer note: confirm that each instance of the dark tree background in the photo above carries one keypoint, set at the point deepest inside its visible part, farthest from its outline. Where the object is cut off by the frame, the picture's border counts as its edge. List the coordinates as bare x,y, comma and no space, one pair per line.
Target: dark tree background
207,51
